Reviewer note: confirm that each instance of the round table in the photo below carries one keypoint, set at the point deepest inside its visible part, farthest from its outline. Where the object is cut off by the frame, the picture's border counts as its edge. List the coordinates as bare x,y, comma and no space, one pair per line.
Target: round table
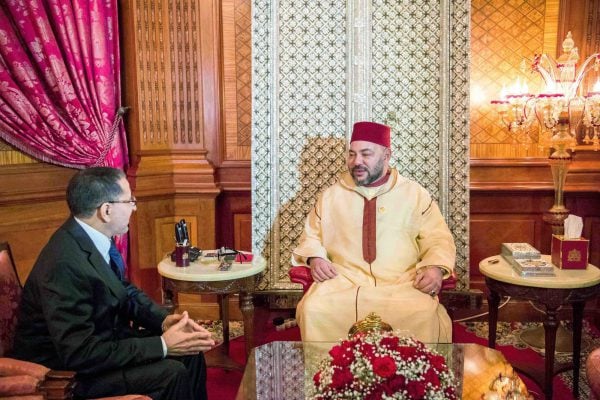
567,287
204,276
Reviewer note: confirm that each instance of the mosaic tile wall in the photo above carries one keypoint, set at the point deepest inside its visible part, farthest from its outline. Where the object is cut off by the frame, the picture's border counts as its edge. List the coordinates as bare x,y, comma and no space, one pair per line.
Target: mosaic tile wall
319,67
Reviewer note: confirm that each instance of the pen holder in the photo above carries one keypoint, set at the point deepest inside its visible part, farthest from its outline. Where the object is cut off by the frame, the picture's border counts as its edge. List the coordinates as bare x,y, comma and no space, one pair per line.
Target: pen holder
182,255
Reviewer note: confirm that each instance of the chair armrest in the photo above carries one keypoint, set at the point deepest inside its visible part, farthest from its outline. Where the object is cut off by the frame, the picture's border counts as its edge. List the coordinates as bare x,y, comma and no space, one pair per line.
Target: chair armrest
449,283
18,385
58,385
302,275
14,367
53,384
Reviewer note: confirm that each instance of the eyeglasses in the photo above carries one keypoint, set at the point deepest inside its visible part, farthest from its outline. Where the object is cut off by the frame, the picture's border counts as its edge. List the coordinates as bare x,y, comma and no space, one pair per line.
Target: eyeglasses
132,201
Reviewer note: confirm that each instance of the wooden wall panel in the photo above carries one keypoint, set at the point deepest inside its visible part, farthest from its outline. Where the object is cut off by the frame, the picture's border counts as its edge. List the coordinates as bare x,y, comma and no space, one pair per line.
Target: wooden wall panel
233,227
152,237
489,231
164,233
172,73
32,207
242,229
27,228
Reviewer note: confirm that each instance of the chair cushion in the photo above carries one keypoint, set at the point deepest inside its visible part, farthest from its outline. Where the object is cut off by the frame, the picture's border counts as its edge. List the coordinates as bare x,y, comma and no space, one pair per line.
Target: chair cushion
18,385
10,296
13,367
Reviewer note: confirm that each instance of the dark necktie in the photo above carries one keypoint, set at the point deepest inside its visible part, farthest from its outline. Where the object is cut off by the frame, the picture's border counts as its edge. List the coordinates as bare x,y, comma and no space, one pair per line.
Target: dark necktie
116,261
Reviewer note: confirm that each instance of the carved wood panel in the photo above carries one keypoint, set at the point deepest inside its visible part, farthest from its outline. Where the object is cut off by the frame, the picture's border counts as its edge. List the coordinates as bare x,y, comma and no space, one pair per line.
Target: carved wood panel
237,78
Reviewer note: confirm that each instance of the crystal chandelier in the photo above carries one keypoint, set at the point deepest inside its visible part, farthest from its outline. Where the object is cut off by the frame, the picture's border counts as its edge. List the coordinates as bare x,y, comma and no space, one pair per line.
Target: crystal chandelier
560,109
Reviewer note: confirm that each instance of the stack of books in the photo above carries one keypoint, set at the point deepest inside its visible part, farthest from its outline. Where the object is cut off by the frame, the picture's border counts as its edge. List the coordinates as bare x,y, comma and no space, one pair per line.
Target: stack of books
526,260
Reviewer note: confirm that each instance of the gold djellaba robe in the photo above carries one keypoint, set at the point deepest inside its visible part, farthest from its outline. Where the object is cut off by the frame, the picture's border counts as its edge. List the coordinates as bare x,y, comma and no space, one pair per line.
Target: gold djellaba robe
399,229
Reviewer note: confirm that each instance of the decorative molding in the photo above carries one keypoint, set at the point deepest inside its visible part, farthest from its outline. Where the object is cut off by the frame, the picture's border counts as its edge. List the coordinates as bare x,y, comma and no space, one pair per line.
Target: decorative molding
152,73
169,72
186,67
175,171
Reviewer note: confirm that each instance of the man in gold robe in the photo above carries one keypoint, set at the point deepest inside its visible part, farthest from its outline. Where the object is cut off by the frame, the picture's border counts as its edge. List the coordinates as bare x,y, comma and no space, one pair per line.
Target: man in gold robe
375,242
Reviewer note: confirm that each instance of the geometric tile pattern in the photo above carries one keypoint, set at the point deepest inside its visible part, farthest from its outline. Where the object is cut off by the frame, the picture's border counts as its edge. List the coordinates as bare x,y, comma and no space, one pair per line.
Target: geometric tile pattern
503,34
418,85
457,142
411,91
298,143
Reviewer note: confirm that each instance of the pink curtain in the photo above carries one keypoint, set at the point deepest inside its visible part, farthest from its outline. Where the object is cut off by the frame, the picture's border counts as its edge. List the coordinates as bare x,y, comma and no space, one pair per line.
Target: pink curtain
60,81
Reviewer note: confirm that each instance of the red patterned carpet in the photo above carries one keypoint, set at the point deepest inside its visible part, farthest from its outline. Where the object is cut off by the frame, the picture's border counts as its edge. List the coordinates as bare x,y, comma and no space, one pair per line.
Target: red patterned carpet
222,385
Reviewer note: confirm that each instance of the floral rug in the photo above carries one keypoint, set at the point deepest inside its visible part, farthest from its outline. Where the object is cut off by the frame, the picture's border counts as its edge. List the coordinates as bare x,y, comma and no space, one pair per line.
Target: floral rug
509,334
236,329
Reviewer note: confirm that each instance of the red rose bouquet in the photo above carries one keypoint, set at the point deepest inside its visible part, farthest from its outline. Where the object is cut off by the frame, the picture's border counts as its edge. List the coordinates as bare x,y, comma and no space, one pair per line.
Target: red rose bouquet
378,365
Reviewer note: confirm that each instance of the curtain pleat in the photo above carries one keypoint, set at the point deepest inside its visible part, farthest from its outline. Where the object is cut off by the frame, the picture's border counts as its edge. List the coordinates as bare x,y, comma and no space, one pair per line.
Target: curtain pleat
60,81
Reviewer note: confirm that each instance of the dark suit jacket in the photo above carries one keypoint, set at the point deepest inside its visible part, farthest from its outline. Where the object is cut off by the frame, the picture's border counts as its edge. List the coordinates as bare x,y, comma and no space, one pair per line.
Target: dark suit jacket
76,314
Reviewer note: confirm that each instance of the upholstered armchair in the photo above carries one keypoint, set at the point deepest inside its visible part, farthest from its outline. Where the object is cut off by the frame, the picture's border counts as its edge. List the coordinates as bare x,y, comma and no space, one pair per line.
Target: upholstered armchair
20,379
592,368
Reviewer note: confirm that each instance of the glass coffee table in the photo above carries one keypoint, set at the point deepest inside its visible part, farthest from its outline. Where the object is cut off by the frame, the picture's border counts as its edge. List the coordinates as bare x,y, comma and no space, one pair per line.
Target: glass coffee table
284,370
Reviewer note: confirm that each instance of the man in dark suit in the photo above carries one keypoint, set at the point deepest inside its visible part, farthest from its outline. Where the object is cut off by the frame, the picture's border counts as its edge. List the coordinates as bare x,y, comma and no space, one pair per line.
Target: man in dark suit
78,313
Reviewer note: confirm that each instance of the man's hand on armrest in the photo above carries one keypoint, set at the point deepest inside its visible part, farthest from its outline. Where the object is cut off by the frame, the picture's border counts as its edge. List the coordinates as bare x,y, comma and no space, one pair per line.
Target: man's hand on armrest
429,279
321,269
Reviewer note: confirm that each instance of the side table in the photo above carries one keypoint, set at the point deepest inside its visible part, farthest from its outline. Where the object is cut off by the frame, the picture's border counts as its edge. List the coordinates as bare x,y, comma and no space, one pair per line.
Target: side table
567,287
204,276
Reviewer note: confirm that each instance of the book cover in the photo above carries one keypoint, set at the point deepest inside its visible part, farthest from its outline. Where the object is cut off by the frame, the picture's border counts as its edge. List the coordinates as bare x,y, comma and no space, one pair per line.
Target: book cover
533,267
519,251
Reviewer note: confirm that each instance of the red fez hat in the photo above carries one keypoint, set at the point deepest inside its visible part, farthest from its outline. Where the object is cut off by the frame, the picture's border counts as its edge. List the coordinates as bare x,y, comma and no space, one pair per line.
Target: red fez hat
371,132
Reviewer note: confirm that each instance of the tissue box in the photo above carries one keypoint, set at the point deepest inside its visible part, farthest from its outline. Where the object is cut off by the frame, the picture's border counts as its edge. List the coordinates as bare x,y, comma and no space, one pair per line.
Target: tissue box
570,253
